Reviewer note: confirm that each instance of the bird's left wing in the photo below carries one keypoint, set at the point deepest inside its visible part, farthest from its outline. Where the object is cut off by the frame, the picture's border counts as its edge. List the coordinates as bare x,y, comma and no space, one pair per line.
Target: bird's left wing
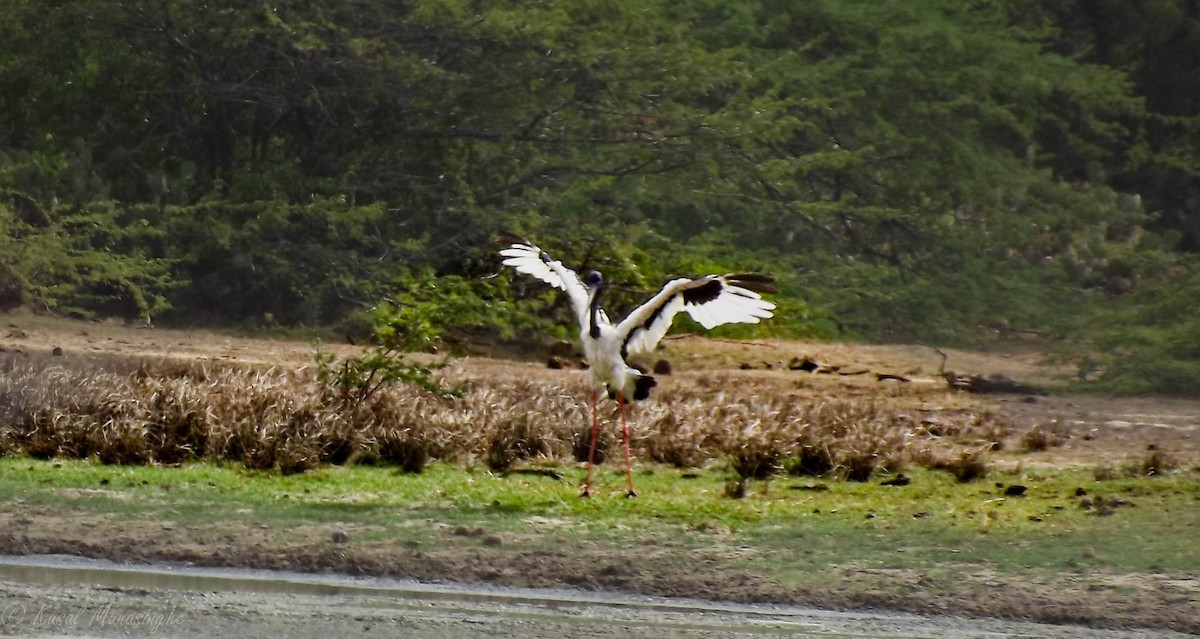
531,260
711,301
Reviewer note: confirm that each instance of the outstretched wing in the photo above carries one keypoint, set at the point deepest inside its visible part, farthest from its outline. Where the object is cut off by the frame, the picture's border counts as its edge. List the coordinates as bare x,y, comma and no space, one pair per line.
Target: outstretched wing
711,301
531,260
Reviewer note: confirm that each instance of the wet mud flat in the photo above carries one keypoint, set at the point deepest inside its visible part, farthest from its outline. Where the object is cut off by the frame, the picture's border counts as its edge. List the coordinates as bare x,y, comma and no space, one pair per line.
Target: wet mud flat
59,596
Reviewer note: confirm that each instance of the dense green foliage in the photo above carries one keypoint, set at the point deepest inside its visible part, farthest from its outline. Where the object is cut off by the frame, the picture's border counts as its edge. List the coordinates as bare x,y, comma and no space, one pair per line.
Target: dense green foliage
909,170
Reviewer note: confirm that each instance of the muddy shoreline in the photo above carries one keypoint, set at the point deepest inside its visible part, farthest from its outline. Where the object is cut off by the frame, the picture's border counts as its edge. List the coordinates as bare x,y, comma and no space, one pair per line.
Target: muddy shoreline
69,597
1164,601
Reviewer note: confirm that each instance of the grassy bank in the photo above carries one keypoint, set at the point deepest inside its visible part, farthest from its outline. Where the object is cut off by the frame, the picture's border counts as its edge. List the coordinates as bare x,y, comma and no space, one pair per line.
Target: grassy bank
1124,545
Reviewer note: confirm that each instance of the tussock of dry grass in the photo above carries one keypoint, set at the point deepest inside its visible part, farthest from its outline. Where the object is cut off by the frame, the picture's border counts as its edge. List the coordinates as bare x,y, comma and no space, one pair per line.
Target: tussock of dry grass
267,418
1043,437
1154,462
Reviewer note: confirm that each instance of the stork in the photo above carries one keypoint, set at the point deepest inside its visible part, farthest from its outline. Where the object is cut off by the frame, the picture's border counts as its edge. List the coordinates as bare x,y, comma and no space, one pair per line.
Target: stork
711,300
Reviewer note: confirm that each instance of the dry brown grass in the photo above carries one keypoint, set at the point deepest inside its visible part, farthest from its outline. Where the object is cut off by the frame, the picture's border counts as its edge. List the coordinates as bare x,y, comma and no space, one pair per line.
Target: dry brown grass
1154,462
965,465
123,411
1043,437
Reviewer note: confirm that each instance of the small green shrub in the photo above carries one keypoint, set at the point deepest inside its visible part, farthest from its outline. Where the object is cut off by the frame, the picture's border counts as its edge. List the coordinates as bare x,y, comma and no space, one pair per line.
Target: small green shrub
399,331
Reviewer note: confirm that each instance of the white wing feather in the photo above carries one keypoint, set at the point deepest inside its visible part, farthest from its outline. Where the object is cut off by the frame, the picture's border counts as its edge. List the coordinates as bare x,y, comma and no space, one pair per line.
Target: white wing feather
646,325
734,305
531,260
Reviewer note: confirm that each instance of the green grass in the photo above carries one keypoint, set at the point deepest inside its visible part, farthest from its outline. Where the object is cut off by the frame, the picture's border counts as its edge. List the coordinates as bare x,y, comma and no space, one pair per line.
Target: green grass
784,528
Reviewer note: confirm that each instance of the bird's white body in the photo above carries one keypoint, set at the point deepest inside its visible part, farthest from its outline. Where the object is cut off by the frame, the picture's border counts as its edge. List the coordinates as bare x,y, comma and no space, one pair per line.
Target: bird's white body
711,301
603,355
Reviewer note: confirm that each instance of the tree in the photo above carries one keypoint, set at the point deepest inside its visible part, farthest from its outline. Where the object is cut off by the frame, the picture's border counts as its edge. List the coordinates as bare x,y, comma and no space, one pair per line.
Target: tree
1158,44
903,147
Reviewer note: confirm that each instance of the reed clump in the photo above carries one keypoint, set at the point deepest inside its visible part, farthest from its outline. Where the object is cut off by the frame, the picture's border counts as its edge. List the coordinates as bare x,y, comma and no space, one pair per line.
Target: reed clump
1043,437
135,412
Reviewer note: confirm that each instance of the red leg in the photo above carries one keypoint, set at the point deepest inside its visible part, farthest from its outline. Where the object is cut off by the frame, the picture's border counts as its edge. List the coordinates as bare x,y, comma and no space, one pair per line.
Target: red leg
587,483
625,436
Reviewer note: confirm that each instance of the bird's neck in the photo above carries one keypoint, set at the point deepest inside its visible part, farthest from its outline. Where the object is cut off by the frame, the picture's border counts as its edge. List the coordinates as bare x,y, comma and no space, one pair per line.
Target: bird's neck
594,315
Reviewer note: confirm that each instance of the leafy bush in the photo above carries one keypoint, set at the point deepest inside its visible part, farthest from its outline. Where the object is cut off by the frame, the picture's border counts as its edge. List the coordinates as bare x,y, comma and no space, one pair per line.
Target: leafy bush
88,261
1150,341
399,331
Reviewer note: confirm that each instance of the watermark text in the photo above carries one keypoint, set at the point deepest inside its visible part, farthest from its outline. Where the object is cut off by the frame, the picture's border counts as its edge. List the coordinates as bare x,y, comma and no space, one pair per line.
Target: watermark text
45,616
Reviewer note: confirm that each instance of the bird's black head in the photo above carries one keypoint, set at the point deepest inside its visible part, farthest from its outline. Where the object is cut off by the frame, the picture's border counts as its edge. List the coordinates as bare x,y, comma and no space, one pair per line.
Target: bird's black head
593,279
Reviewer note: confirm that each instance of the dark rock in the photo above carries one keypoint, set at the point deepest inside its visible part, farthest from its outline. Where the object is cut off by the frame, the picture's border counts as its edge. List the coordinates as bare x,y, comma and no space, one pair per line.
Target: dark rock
803,364
899,480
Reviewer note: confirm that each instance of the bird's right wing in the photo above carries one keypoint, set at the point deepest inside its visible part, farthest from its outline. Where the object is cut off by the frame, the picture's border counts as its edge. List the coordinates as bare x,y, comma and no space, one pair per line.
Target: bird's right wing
711,301
531,260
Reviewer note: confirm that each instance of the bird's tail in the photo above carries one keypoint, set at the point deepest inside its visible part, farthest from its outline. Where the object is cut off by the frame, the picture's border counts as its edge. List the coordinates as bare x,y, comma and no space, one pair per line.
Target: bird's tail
637,387
642,385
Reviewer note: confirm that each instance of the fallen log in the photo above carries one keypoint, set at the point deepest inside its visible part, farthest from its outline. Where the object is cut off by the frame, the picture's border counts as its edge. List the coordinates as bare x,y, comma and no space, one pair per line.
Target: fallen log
994,383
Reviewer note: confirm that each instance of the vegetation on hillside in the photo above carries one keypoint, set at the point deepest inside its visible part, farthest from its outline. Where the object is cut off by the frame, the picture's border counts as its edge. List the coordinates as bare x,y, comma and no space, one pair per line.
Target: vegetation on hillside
934,170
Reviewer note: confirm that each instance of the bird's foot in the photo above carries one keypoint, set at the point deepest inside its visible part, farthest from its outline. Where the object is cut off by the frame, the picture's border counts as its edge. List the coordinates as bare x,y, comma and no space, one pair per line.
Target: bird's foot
585,493
630,495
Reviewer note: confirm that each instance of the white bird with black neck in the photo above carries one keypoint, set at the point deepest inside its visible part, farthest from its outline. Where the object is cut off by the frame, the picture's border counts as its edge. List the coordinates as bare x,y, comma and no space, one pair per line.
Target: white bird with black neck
711,300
